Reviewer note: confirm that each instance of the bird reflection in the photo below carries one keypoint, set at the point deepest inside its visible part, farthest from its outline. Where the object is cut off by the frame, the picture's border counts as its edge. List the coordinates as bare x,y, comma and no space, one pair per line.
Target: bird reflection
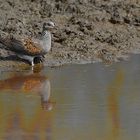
30,83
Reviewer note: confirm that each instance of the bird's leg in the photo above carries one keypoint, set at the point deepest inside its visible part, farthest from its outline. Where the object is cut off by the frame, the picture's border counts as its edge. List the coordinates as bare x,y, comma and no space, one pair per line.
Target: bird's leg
30,59
32,63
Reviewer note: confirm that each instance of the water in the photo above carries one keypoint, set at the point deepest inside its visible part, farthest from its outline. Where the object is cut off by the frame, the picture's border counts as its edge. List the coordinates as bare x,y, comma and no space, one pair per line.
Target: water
78,102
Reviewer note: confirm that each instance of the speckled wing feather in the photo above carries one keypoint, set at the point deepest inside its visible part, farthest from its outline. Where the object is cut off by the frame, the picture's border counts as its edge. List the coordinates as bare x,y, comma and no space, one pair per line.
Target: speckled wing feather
25,47
32,48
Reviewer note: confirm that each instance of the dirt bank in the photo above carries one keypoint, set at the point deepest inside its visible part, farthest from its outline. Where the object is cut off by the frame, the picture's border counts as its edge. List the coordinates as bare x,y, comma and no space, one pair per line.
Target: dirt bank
88,30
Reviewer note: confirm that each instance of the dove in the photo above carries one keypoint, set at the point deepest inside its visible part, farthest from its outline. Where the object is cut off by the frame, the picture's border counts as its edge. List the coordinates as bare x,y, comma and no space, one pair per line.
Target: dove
30,48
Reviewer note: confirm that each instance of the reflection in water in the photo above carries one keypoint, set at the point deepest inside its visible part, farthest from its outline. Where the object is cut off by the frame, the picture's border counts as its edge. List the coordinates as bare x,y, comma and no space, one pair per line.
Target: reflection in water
114,91
93,102
33,83
20,111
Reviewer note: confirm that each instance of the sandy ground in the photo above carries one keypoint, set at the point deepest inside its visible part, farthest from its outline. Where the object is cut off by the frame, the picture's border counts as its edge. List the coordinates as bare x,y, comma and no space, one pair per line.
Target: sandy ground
87,30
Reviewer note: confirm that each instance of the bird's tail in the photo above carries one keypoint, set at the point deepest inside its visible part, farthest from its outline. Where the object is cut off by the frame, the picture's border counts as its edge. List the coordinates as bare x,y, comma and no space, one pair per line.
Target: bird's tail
5,42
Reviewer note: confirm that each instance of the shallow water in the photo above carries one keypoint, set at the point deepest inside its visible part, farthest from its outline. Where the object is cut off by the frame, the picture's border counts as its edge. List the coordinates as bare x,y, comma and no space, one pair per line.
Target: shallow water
76,102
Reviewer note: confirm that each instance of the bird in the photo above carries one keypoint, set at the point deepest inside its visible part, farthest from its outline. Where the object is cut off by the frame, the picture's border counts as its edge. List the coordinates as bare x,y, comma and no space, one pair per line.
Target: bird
31,48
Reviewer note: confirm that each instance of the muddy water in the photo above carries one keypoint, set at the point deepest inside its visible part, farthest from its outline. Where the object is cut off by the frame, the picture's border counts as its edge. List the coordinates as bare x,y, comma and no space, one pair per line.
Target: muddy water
72,102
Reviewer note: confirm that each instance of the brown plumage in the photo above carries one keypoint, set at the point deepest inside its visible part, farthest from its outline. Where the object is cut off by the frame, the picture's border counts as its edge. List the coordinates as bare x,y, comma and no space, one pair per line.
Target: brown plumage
25,46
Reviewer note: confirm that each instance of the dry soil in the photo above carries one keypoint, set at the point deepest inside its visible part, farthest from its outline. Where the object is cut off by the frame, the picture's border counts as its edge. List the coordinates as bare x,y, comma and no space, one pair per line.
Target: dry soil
87,30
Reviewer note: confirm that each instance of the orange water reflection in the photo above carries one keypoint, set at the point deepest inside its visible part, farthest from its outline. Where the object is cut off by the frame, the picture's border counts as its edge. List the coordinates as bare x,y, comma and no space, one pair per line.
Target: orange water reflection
24,100
29,84
113,103
93,102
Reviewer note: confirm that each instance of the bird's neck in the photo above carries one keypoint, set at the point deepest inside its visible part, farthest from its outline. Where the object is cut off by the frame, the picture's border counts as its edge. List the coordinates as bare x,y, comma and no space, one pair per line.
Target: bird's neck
46,37
46,34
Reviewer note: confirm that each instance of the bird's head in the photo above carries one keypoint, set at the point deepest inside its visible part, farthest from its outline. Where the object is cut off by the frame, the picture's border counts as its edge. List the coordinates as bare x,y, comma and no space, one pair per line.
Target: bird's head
48,26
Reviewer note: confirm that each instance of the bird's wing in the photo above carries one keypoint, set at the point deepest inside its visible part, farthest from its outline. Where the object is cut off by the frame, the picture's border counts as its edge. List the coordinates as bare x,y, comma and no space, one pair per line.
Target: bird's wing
25,46
33,48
